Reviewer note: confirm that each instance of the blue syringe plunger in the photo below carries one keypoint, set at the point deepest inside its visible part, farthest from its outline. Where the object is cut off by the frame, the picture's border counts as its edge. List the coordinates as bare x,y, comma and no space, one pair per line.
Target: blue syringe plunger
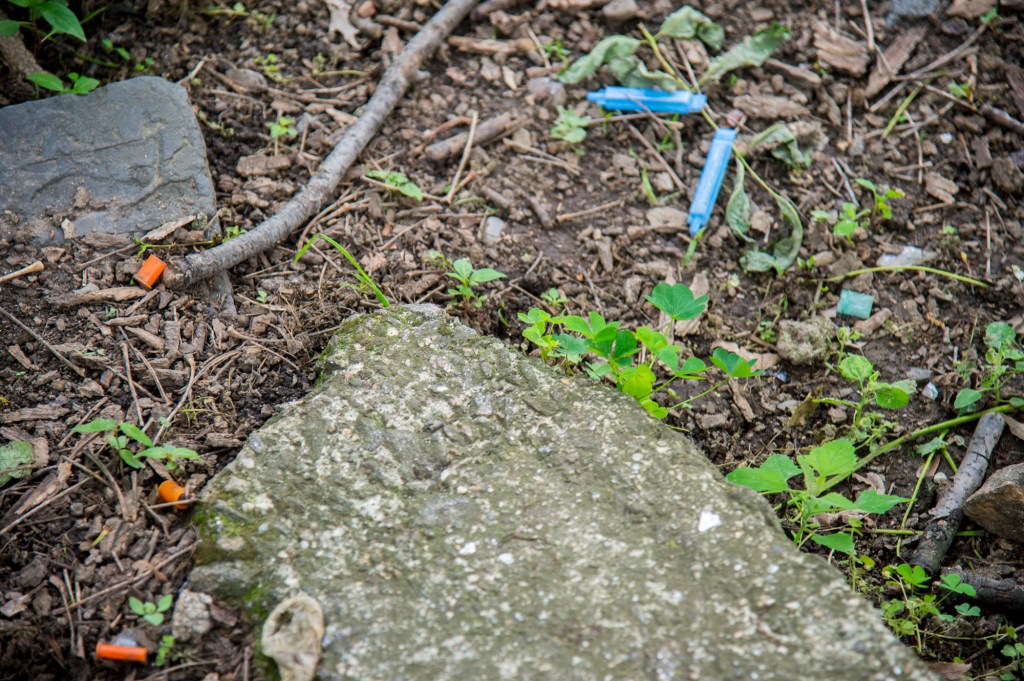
640,99
711,178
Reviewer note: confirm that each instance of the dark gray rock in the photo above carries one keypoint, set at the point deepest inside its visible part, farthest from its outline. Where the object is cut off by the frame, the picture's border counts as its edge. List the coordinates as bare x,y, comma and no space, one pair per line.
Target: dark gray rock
998,505
461,511
122,159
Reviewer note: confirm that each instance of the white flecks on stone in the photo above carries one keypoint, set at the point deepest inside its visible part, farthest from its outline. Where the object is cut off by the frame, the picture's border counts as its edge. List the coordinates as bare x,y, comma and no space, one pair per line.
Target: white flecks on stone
506,558
708,520
469,549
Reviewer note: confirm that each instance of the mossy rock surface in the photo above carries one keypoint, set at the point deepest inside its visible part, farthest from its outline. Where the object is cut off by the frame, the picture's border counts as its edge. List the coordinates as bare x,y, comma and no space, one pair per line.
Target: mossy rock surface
461,511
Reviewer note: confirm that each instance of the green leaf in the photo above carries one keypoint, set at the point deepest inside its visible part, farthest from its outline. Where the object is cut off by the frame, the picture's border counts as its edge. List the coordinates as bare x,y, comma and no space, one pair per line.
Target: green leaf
47,81
651,339
653,408
15,461
968,610
677,301
837,457
137,606
888,396
606,50
914,576
463,269
769,478
570,347
737,211
732,364
933,445
691,369
9,27
156,619
782,143
967,398
840,541
135,433
686,23
165,602
856,368
752,51
999,335
484,275
785,251
399,182
624,348
871,501
95,426
84,85
637,381
61,19
954,583
632,72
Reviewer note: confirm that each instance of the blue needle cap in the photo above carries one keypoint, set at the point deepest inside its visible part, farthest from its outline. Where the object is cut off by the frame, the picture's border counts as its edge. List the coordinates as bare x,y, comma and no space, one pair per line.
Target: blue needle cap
711,178
639,99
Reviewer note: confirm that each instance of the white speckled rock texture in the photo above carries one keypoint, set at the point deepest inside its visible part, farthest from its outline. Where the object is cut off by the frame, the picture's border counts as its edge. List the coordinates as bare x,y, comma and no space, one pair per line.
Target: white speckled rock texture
461,511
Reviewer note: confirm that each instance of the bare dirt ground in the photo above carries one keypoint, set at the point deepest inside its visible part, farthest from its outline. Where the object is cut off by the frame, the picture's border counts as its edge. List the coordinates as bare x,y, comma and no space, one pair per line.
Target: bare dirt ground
84,532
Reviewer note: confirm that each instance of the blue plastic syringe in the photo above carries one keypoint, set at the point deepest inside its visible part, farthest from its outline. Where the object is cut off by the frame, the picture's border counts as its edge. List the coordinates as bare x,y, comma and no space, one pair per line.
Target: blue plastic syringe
711,178
640,99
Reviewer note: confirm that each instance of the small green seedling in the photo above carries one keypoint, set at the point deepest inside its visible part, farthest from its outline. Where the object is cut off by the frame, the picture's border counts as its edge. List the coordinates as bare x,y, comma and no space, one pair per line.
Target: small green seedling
151,612
848,221
268,65
906,614
554,297
123,437
261,296
231,231
962,91
469,278
165,651
283,126
882,197
80,85
1003,360
361,274
570,127
556,51
397,182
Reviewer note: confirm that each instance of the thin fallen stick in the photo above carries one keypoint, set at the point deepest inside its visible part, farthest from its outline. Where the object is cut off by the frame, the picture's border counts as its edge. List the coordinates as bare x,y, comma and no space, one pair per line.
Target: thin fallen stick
485,132
465,157
37,266
1002,118
949,511
53,351
999,594
321,186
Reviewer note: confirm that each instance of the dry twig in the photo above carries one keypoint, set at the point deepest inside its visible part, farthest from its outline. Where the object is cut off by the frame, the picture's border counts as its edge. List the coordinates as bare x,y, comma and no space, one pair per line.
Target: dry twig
321,187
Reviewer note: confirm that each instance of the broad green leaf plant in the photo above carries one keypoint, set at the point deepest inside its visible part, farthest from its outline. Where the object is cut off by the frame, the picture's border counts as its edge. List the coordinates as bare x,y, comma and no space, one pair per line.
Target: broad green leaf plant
634,359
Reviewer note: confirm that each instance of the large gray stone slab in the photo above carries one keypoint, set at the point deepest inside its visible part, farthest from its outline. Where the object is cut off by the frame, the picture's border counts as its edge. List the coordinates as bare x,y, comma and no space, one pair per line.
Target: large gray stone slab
123,159
461,511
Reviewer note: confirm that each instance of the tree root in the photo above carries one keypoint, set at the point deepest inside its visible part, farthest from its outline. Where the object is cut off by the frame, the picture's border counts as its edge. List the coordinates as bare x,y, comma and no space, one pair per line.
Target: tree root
322,185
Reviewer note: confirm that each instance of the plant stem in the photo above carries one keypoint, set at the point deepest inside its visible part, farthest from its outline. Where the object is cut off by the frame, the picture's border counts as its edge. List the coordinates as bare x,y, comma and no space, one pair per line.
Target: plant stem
899,268
902,440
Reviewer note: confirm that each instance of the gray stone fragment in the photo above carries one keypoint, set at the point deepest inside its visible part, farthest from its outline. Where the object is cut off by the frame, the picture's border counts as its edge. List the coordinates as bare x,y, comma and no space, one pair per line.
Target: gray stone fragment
123,159
547,89
191,620
804,342
462,511
998,505
910,10
620,11
492,230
